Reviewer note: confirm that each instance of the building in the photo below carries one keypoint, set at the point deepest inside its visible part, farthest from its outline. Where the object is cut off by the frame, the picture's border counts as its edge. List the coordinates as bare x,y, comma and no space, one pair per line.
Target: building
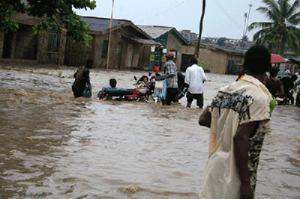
171,41
191,37
26,47
221,60
231,44
129,47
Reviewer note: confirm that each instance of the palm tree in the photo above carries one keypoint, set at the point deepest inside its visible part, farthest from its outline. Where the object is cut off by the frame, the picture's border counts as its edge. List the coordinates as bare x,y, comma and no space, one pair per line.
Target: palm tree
281,31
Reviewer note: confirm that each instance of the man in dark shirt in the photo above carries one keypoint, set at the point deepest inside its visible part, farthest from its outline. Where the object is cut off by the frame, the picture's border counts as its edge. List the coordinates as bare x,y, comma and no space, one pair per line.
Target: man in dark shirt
274,85
288,84
82,77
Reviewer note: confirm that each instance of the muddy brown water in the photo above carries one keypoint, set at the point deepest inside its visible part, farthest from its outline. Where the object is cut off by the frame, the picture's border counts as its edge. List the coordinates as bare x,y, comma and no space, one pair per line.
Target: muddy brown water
55,146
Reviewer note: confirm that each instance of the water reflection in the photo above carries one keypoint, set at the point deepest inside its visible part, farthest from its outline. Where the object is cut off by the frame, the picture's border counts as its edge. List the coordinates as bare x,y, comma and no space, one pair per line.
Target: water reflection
55,146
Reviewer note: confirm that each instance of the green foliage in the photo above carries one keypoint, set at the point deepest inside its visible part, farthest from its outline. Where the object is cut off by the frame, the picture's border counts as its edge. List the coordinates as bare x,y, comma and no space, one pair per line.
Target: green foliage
282,29
67,76
56,15
245,38
204,65
221,41
289,55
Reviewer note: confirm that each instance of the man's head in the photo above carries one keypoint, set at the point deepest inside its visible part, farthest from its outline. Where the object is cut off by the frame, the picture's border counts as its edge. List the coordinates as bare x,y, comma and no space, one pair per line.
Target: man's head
274,71
113,82
193,61
169,56
89,63
257,60
287,73
294,77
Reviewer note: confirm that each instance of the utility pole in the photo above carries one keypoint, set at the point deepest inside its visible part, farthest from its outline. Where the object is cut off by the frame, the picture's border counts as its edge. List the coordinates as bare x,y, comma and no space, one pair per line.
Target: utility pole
109,38
200,29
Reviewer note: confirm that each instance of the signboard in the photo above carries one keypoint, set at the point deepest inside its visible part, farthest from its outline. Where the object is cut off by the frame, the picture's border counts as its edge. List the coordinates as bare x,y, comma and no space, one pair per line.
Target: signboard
152,57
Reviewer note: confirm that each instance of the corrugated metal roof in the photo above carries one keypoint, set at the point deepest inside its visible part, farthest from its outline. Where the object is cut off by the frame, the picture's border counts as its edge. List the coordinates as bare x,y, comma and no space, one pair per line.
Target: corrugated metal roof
102,24
158,31
143,41
155,31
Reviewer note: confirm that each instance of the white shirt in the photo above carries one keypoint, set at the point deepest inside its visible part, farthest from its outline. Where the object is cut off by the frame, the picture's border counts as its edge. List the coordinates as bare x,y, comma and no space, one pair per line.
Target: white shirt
194,77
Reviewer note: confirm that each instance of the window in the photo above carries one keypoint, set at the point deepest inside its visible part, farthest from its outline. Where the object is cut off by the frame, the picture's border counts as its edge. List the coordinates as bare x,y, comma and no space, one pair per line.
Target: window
53,43
104,48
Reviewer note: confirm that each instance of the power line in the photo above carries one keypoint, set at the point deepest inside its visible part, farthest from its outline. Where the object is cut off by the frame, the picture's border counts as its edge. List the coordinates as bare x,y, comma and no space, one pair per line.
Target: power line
224,11
165,11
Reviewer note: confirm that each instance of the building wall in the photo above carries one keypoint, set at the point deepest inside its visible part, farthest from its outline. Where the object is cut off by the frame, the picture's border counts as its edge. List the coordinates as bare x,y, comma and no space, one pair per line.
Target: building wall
238,61
26,45
217,61
189,50
1,44
175,43
144,58
45,57
76,54
118,55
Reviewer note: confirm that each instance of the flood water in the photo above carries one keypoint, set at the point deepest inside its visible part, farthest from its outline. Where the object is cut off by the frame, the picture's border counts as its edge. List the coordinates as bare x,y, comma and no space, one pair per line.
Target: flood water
55,146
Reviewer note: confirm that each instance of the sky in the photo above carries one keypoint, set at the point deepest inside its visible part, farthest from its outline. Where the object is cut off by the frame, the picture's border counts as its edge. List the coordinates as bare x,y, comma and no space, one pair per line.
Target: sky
223,18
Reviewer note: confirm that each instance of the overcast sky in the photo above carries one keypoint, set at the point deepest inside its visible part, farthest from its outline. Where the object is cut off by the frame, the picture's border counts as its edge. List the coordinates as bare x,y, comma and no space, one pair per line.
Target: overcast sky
223,18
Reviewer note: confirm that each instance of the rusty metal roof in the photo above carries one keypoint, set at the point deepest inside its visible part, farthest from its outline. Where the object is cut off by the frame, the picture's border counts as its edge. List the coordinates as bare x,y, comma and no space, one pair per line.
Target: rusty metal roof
159,31
102,24
142,41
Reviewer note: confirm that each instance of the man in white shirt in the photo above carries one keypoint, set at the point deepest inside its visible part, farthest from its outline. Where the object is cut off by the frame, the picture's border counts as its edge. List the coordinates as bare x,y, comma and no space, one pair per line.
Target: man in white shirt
194,78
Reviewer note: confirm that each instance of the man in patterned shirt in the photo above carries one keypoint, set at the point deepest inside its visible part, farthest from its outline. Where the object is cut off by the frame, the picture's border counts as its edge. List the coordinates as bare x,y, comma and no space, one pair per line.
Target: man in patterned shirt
170,70
237,118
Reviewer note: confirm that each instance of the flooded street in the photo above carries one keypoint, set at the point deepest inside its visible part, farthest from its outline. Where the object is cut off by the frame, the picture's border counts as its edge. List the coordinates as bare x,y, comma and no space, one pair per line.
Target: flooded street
55,146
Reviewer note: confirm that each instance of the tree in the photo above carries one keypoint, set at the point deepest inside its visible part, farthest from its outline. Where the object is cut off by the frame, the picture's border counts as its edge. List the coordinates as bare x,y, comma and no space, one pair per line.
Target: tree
221,41
55,15
245,38
281,31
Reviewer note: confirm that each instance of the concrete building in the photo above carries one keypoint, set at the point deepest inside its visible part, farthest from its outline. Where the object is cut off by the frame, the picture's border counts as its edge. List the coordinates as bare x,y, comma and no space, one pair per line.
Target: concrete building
231,44
190,36
171,41
129,47
25,47
221,60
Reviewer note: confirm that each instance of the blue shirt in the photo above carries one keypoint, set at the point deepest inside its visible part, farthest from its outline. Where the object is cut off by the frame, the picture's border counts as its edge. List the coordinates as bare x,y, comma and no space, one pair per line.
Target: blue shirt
105,89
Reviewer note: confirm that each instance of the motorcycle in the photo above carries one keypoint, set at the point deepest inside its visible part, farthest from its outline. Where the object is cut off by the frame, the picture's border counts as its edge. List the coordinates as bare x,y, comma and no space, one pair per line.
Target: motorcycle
136,94
156,89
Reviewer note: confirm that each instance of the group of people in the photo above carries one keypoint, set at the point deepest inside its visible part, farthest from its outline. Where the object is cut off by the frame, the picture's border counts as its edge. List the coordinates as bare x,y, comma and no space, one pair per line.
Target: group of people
192,81
237,117
284,87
